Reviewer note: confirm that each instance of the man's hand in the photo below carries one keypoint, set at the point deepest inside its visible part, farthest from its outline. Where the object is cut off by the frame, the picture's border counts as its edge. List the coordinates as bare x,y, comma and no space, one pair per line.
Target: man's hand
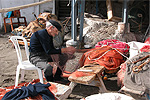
69,50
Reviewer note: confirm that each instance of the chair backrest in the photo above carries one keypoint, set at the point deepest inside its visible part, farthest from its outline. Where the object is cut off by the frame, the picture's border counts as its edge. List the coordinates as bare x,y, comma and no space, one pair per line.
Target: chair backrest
15,40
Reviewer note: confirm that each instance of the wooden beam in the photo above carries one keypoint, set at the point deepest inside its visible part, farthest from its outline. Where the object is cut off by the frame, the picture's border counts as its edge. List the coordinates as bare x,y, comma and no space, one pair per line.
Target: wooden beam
24,6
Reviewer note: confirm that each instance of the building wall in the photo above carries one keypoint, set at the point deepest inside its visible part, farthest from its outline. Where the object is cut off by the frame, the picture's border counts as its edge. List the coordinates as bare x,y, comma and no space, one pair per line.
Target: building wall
27,12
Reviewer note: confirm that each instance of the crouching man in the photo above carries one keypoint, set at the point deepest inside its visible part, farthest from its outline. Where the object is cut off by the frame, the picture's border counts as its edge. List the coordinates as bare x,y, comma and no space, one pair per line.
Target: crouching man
42,51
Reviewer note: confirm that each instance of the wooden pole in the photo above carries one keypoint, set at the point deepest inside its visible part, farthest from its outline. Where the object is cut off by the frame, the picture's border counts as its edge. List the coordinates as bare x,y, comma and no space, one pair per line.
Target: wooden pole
24,6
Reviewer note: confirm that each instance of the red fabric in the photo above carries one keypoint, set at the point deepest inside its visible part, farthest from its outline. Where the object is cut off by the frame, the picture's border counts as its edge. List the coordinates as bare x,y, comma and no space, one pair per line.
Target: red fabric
107,57
122,46
147,40
3,91
145,48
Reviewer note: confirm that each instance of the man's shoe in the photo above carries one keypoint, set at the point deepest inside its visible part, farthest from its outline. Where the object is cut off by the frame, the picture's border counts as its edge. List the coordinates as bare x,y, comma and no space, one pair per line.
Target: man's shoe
62,80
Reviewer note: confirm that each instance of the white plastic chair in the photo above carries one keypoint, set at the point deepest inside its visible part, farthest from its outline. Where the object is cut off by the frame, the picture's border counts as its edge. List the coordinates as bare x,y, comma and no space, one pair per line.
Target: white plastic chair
23,64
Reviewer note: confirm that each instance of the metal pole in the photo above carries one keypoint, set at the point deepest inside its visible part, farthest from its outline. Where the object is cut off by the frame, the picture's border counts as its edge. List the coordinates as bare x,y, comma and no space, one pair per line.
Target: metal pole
125,11
82,19
125,15
73,20
53,12
79,10
97,9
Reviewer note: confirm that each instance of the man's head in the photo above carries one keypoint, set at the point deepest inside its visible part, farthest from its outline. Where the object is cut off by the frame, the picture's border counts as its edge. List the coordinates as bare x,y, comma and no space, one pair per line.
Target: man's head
53,27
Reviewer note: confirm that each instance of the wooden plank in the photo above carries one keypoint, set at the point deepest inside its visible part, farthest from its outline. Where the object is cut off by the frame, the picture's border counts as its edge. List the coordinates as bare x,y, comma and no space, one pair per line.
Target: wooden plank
62,91
110,12
87,77
131,91
115,19
95,68
109,9
99,83
84,79
72,85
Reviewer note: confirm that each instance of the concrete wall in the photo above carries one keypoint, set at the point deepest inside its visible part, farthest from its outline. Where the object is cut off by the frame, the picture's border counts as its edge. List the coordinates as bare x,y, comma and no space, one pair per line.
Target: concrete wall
27,12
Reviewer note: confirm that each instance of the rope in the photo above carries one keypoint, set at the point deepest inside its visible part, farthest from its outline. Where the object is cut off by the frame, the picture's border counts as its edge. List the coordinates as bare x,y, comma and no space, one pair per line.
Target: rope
100,56
122,54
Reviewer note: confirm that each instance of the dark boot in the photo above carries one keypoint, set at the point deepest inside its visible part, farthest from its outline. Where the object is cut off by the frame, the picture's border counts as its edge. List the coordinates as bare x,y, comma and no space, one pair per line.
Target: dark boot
49,74
59,79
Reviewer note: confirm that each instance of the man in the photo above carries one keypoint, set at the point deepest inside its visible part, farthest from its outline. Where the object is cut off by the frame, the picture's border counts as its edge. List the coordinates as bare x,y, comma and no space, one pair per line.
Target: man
42,47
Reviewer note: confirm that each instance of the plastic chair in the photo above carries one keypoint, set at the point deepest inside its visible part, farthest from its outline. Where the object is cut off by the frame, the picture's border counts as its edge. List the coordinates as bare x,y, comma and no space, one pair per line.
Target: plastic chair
23,64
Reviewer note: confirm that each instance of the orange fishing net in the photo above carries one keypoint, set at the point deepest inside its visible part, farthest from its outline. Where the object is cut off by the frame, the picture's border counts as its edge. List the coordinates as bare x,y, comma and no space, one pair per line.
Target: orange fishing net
105,56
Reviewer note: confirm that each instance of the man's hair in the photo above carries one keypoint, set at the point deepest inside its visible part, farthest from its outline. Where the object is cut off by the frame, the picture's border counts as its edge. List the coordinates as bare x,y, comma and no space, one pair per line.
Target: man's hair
48,24
53,23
